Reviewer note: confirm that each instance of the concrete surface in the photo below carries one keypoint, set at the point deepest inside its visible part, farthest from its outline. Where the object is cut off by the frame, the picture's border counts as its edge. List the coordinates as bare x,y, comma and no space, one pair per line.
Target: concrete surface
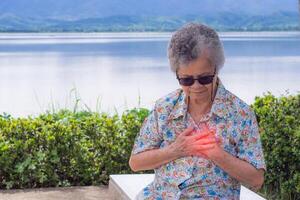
65,193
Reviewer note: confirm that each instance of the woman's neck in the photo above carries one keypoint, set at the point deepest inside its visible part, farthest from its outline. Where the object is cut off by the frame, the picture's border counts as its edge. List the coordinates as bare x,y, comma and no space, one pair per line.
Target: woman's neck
199,107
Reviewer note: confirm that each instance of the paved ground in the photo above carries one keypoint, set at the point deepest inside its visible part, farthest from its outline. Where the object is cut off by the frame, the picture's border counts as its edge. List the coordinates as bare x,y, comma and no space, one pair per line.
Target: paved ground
66,193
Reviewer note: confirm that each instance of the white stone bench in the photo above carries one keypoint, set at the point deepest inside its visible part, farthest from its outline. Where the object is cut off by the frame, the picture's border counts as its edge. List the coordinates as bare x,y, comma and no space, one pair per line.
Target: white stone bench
127,186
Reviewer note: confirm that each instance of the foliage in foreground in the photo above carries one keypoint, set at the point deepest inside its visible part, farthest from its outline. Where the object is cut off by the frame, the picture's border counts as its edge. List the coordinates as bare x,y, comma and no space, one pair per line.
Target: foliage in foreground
279,121
82,148
66,148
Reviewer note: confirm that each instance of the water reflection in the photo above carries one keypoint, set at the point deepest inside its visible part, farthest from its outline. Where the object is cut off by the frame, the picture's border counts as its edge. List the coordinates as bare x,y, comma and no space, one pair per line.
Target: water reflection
35,75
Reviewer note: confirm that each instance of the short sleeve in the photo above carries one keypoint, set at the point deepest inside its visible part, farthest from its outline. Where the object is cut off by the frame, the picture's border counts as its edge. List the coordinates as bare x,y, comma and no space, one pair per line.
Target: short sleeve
249,144
149,137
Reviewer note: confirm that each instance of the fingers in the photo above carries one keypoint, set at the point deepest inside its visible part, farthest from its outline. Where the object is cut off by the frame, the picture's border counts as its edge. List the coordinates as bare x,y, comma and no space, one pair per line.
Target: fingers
199,136
187,131
197,149
209,140
202,135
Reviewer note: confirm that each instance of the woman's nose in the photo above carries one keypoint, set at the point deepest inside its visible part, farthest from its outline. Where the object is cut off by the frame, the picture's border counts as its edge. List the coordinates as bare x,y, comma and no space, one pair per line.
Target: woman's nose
196,84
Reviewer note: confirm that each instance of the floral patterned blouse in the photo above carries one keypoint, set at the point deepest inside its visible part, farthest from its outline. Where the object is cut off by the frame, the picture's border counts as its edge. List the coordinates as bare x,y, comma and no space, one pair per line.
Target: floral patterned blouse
195,177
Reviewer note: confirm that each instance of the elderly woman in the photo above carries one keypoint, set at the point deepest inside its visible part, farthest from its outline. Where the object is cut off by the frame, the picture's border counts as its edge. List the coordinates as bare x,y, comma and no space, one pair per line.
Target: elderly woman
201,140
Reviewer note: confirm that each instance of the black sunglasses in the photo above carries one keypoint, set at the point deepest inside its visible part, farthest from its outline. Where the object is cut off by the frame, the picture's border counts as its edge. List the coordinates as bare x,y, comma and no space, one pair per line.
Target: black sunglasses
190,80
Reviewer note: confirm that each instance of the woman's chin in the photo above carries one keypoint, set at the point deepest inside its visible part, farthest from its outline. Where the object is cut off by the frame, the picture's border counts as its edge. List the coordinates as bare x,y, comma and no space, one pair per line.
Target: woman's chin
198,96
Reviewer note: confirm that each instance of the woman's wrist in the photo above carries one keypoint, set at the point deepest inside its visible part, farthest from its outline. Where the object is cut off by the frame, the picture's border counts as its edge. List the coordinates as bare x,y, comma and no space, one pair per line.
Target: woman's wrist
172,152
218,156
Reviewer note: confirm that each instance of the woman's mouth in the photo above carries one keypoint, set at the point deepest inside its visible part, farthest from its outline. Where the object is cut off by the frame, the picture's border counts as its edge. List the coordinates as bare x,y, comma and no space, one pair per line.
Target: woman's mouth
197,92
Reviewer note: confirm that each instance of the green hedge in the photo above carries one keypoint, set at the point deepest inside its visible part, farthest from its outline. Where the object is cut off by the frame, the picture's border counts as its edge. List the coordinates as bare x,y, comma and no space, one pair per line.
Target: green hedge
279,121
83,148
66,148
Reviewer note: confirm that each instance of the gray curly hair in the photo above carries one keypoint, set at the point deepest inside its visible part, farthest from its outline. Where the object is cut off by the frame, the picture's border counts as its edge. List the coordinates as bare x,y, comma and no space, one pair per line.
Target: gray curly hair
193,40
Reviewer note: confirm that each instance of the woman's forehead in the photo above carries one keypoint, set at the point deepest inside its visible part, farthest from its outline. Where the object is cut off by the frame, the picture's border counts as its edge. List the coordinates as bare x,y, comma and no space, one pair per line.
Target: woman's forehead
200,66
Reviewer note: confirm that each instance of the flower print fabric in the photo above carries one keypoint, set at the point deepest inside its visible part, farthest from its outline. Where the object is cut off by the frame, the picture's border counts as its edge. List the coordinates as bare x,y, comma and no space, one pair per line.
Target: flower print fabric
195,177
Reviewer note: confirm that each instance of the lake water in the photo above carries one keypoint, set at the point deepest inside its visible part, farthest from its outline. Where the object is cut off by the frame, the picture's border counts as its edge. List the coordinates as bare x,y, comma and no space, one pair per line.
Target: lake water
115,71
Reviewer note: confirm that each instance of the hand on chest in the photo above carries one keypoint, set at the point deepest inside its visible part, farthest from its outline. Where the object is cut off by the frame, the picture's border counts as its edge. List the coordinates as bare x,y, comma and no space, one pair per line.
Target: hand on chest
224,129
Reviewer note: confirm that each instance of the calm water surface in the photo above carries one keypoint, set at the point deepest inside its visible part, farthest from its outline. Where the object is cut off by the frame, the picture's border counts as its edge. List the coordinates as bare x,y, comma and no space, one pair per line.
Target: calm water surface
115,71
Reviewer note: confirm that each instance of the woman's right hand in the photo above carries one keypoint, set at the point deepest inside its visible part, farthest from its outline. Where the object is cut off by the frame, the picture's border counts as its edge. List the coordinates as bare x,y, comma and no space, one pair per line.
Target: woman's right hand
191,142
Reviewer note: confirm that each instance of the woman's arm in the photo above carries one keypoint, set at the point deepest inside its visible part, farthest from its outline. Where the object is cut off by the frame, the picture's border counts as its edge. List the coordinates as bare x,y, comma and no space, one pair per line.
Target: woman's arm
151,159
237,168
186,144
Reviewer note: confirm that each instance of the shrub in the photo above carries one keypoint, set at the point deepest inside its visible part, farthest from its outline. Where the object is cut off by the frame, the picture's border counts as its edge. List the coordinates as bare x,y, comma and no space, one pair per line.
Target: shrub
66,148
279,121
83,148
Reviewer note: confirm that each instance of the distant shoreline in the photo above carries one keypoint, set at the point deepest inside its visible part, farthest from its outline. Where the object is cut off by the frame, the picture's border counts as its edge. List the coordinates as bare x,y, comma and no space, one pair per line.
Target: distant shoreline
220,21
155,31
164,33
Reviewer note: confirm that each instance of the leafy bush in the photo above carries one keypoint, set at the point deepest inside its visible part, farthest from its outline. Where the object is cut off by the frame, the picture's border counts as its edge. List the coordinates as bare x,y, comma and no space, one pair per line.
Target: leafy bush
83,148
279,121
66,148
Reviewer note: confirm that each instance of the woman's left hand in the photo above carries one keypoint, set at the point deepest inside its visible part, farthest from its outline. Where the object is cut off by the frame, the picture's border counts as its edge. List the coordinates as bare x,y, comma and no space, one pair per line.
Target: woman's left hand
217,149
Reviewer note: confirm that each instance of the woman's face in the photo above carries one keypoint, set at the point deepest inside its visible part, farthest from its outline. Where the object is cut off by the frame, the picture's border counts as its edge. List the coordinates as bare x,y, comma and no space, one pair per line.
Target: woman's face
198,68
